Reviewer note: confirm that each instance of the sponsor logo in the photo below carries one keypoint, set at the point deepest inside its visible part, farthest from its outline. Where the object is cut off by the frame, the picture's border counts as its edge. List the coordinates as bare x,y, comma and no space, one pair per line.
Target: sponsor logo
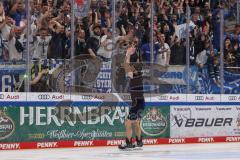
1,96
211,98
99,97
150,141
205,140
232,139
199,98
10,146
154,123
176,140
224,108
58,97
7,126
47,145
114,142
87,97
36,136
162,97
83,143
182,109
90,115
232,98
126,97
12,97
174,98
203,122
119,134
44,96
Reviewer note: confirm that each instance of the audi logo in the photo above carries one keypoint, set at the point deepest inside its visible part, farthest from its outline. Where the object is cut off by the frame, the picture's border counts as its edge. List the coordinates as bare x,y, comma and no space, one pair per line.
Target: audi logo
126,97
163,97
43,96
232,98
87,97
199,98
1,96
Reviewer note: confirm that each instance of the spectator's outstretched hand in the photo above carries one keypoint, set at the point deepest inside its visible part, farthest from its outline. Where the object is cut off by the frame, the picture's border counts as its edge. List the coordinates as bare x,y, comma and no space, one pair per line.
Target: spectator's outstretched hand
131,50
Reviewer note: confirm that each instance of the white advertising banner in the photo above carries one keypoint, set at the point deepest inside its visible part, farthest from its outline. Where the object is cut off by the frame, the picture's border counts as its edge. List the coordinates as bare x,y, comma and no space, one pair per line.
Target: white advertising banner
204,121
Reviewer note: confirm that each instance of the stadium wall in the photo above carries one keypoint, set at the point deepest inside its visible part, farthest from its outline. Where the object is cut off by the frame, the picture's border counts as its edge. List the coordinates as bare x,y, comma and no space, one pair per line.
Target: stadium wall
55,120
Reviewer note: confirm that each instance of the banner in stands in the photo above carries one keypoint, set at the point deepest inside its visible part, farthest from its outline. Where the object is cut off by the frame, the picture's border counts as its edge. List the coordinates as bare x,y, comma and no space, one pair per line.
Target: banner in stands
172,79
204,121
103,82
11,77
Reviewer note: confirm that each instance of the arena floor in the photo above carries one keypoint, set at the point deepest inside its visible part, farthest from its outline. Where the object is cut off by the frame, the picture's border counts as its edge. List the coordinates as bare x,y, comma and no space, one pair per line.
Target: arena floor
217,151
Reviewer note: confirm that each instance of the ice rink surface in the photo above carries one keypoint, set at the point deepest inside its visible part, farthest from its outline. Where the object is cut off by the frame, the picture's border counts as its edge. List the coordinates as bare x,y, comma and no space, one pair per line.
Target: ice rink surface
217,151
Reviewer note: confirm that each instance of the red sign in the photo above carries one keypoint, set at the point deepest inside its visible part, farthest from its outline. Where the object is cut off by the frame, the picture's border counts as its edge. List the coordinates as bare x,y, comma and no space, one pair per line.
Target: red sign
79,2
157,141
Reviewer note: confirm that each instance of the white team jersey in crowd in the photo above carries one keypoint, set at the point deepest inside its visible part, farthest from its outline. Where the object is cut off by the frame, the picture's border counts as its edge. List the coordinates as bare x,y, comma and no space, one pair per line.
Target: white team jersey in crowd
41,47
202,58
5,32
107,50
12,51
162,54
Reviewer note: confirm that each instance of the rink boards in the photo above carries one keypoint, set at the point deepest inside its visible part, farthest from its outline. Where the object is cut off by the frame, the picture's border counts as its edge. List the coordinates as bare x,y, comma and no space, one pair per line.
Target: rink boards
55,120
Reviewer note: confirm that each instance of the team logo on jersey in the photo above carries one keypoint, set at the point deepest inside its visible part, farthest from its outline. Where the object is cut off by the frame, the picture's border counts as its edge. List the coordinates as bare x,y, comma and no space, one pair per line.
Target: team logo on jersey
7,126
154,123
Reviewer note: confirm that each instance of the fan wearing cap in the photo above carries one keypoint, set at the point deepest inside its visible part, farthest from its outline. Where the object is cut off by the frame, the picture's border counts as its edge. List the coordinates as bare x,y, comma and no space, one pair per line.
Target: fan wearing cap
93,43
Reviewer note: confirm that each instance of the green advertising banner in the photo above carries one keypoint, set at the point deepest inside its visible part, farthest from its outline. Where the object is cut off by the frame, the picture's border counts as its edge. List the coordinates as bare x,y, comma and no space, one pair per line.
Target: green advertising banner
51,123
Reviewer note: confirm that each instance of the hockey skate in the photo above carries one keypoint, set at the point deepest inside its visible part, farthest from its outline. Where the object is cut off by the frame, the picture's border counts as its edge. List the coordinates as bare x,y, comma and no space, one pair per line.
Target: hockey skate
127,145
138,143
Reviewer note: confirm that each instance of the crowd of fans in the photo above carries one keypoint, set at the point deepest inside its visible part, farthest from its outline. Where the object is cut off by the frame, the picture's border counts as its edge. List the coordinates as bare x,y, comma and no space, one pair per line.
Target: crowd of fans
50,31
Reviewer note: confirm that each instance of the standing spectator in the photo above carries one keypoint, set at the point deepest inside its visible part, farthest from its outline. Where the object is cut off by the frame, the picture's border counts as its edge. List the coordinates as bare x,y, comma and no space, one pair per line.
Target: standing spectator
202,57
164,52
178,53
93,43
15,44
146,49
80,43
41,45
18,13
229,56
214,68
106,48
57,43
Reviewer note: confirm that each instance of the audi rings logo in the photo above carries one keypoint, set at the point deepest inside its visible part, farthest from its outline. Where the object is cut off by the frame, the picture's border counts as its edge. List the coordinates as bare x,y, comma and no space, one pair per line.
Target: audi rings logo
163,97
199,98
126,97
43,97
87,97
232,98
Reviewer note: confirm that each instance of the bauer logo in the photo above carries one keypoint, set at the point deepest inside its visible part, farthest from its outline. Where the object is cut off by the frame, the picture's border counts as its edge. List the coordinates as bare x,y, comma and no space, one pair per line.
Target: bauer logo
7,126
154,123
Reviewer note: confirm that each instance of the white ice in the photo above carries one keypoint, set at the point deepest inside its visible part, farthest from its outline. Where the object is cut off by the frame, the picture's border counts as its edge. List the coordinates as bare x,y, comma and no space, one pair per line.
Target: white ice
217,151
